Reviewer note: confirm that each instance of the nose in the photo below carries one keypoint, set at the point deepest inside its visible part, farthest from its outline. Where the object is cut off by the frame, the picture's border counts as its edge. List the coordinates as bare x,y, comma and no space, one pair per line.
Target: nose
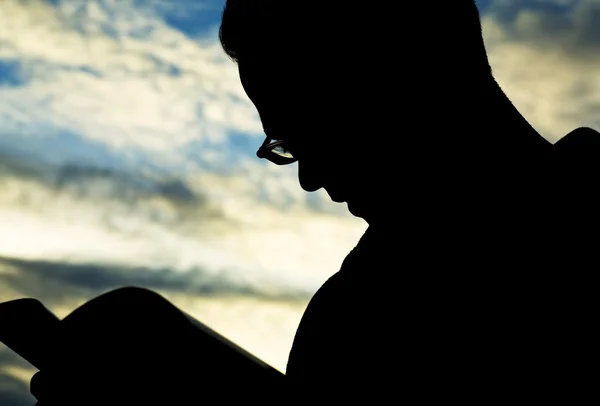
310,177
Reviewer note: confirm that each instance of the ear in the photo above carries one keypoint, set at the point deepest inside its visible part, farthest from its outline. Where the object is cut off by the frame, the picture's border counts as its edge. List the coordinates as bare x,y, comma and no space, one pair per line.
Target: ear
579,140
577,158
579,149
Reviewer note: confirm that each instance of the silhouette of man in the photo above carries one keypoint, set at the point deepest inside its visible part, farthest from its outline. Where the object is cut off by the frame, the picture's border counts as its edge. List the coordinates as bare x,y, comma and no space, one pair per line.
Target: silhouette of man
396,112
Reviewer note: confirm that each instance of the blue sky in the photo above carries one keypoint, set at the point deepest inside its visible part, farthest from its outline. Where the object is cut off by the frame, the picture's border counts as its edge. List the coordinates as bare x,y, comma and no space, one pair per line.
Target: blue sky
127,155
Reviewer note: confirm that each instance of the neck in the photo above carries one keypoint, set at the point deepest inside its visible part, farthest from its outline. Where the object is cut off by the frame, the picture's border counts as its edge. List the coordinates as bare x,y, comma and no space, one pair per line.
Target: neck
506,127
490,138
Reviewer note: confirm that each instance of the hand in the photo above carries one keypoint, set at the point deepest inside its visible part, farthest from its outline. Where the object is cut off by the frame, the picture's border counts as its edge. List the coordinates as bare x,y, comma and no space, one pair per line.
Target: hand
131,346
114,387
124,346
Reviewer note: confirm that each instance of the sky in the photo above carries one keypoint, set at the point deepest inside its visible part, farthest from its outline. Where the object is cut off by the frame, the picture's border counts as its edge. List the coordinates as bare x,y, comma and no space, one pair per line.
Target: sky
127,157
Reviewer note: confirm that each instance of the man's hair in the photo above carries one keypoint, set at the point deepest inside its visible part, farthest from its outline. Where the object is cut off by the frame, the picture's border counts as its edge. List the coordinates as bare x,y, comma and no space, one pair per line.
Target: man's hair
338,28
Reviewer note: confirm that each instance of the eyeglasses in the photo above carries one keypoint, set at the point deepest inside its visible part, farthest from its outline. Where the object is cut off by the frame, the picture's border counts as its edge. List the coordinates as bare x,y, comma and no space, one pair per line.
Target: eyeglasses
279,152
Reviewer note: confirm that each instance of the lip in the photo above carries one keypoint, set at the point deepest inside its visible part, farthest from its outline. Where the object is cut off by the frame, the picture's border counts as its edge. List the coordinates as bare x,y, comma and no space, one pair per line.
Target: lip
335,196
355,209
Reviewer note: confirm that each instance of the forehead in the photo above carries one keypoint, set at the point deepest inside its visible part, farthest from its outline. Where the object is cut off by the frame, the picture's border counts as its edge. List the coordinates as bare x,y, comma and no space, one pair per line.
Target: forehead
260,85
277,76
287,97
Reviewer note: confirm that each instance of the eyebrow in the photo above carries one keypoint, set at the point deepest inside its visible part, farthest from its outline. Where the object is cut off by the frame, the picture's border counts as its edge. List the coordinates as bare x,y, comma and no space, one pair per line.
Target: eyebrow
281,139
269,134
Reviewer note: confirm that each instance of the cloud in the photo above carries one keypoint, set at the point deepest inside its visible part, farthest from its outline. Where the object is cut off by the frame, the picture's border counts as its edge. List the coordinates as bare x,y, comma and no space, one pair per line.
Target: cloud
71,232
94,279
127,157
14,392
116,85
545,56
135,223
91,182
14,376
118,75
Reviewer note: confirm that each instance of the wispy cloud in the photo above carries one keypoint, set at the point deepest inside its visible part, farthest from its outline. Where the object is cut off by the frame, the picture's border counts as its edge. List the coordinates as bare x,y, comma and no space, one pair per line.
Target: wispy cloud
117,74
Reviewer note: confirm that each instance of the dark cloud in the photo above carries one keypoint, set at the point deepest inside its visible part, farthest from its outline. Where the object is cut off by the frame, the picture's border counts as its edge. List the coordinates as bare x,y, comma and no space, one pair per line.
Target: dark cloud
13,392
573,27
508,11
105,183
110,194
588,19
8,358
89,181
56,282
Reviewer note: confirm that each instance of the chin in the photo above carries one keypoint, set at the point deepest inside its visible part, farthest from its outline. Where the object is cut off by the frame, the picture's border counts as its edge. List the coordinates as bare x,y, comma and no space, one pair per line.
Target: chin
363,211
356,209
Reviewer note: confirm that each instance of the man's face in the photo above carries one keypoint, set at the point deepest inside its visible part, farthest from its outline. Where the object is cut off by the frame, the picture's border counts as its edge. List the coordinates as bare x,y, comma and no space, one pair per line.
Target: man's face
309,111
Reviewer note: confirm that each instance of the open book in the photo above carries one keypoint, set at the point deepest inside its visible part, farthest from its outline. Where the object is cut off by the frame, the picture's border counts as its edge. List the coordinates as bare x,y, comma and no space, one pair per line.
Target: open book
27,327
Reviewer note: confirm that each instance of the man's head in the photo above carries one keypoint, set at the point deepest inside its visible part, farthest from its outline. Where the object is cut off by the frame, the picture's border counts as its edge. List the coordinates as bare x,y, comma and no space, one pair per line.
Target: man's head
346,86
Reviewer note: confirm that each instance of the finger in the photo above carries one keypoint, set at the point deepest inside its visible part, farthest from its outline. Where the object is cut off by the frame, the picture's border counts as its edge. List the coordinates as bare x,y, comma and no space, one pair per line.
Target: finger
48,390
38,386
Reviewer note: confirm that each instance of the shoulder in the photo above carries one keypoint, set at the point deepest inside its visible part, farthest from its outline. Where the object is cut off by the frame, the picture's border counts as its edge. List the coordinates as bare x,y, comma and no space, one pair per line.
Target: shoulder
348,288
316,349
334,321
